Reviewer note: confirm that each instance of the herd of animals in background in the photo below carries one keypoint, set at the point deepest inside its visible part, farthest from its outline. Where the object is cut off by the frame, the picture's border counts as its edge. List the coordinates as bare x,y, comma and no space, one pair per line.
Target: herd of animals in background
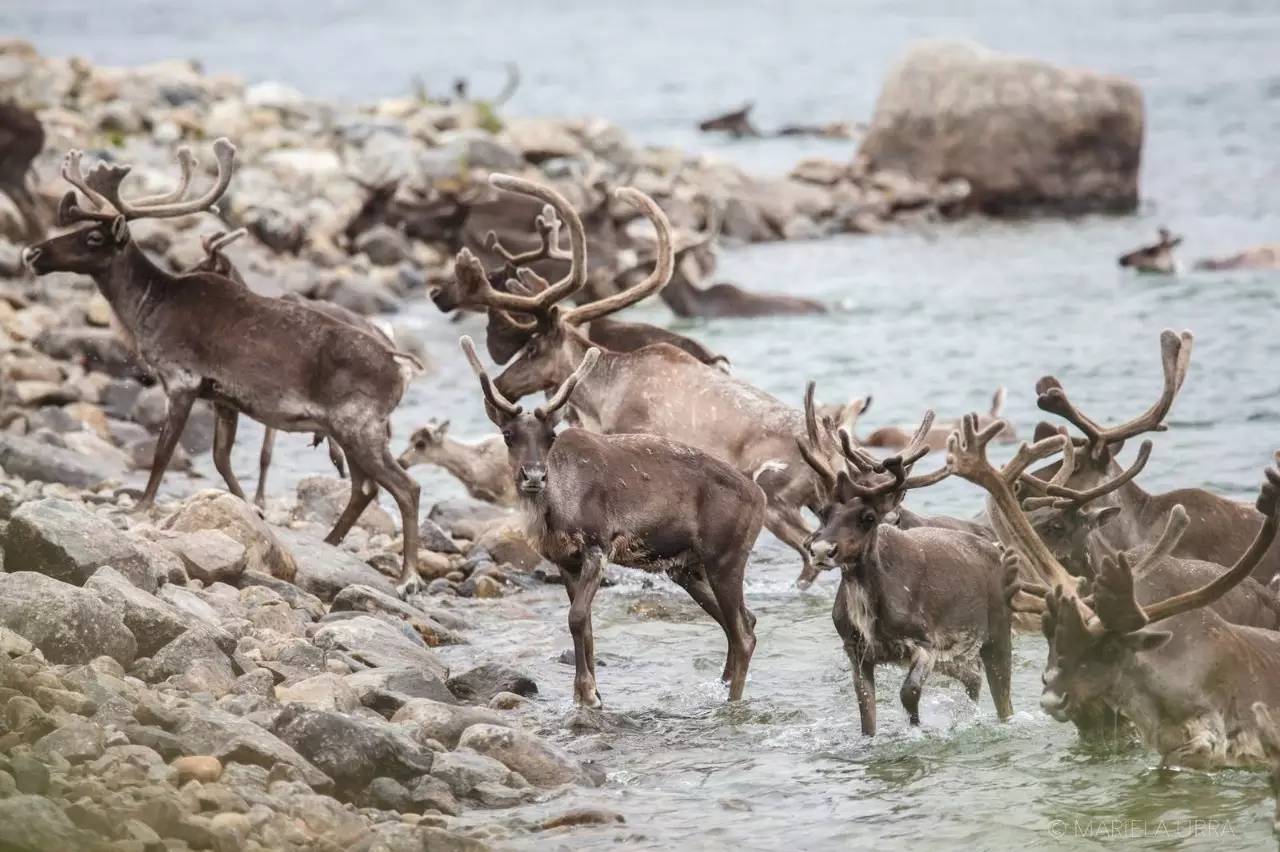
1159,257
1160,610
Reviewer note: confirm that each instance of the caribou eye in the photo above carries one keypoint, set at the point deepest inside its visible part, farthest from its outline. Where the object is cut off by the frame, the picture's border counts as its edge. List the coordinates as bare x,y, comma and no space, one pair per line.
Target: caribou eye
867,519
420,444
506,436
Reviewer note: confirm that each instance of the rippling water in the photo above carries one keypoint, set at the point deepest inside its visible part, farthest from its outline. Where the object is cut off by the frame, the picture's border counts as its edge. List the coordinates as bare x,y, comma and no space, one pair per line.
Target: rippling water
934,317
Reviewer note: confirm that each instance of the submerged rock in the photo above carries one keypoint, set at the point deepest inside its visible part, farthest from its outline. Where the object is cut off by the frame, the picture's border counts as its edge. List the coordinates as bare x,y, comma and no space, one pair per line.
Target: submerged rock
483,682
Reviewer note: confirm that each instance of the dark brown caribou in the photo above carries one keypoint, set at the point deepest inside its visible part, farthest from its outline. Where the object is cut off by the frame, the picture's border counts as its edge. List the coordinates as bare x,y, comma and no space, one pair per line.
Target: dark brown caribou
1220,528
1159,257
21,141
658,389
636,500
1189,687
207,336
922,598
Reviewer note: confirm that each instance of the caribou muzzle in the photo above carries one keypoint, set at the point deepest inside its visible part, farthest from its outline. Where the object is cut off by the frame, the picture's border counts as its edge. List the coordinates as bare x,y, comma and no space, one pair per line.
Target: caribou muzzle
532,479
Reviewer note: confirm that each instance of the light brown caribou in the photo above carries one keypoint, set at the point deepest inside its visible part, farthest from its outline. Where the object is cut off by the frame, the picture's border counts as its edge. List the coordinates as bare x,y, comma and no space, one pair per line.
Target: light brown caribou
481,467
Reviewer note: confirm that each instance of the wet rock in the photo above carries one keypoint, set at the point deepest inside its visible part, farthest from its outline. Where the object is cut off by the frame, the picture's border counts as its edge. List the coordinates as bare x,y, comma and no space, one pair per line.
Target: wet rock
35,460
68,624
483,682
583,816
207,730
76,742
322,692
432,793
379,644
371,600
386,690
440,840
389,795
463,769
466,518
352,751
36,824
537,761
433,537
384,245
325,570
487,587
201,767
153,622
218,510
507,701
67,542
436,720
321,500
209,556
1025,134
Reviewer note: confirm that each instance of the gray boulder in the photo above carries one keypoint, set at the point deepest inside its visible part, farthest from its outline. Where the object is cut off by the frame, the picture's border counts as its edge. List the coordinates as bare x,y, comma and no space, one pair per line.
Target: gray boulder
443,722
196,658
36,824
324,570
539,762
208,730
35,460
368,599
219,510
379,644
67,542
152,622
321,500
68,624
210,556
352,751
1025,134
480,684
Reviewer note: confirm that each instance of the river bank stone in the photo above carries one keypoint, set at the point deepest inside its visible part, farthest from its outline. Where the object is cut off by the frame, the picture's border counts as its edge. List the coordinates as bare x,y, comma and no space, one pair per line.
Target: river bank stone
68,624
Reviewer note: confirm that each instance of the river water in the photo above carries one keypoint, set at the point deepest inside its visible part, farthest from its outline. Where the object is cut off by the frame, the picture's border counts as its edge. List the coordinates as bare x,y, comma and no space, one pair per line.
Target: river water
933,317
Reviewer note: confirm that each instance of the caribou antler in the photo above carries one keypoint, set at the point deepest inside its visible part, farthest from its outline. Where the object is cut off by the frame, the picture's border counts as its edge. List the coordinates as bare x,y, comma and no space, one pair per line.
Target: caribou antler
106,181
662,269
548,227
562,394
1175,354
811,450
967,458
491,393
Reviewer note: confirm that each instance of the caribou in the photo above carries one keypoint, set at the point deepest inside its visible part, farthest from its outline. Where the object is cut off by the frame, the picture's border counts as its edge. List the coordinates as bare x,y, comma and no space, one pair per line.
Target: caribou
1159,258
897,437
657,390
480,467
922,598
1188,689
1220,528
640,501
21,141
207,336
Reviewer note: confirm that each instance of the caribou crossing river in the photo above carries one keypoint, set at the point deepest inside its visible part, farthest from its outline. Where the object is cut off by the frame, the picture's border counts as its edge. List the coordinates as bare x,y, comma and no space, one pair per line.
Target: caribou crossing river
939,316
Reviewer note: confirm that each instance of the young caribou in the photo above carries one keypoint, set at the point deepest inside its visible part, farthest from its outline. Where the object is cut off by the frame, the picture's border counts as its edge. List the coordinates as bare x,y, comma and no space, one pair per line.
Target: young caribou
922,598
481,467
206,336
635,500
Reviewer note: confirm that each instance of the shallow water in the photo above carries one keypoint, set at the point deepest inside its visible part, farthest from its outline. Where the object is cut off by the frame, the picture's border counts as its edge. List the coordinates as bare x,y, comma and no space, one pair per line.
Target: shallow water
936,317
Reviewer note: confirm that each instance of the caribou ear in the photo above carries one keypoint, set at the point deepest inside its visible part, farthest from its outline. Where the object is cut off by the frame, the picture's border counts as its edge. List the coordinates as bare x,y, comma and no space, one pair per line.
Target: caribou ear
1146,640
1044,429
1101,517
441,428
65,209
120,230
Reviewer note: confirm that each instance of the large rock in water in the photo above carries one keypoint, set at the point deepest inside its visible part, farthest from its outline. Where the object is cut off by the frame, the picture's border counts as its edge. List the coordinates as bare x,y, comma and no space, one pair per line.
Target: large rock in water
70,625
1026,135
37,461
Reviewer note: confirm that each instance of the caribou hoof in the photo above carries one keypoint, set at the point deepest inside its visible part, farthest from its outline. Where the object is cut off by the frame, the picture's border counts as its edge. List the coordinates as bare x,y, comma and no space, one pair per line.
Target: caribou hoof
409,587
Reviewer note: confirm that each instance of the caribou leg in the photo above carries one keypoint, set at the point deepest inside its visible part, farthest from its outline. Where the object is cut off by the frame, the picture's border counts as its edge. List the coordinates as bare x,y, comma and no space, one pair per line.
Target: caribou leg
381,466
585,584
997,659
862,663
913,685
224,436
700,590
181,398
788,525
363,490
264,462
728,574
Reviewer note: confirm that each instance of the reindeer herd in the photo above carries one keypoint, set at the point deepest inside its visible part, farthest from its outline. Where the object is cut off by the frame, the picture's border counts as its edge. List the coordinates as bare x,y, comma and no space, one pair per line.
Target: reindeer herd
1159,610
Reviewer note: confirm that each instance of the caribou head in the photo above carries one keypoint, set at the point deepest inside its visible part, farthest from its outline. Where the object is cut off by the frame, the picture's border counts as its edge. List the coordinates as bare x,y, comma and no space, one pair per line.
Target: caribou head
1157,257
91,250
528,435
553,342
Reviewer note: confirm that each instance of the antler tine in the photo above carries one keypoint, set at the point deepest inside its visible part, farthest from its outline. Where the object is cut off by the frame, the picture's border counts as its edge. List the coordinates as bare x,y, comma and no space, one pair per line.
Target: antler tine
1027,454
186,165
1268,498
857,457
107,181
1066,498
967,458
491,393
548,226
565,390
809,451
1060,477
72,174
1174,527
663,267
919,441
927,479
219,240
574,280
1175,357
